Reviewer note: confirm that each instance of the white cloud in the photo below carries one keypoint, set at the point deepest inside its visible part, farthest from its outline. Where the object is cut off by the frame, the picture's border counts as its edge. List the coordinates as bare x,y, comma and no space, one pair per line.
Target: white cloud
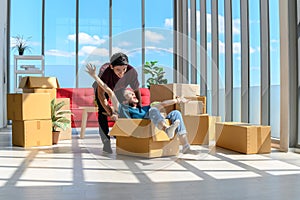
124,44
235,23
117,49
85,38
92,50
236,48
274,41
169,22
153,37
236,26
54,52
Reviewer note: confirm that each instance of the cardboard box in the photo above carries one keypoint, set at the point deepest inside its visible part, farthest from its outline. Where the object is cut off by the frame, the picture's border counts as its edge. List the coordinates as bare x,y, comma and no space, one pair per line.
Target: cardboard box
31,84
191,108
139,137
243,138
28,106
52,92
200,128
198,98
65,134
31,133
39,82
161,92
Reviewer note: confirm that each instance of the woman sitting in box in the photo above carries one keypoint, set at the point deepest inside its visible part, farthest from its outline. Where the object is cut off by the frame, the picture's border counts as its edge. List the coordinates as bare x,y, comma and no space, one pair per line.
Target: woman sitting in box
129,109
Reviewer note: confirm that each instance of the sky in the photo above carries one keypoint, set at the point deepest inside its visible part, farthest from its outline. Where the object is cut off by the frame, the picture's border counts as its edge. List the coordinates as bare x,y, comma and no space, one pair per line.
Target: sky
60,35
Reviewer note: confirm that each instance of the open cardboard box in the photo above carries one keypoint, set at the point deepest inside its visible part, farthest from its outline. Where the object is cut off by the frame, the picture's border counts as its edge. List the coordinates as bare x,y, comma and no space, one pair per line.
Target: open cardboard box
32,84
139,137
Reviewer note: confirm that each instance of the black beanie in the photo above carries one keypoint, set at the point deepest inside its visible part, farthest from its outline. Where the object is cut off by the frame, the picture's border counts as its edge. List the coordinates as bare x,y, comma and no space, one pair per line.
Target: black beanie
119,59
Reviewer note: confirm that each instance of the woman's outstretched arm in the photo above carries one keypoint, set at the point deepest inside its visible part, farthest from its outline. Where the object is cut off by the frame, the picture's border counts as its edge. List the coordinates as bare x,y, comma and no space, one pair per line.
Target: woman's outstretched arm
91,70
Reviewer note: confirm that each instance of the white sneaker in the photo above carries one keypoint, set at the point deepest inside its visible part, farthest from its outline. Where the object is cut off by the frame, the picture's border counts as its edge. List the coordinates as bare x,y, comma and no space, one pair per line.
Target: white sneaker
171,129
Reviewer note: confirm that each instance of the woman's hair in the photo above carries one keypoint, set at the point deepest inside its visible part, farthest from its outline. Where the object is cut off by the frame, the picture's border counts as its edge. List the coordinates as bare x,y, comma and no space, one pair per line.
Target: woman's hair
119,59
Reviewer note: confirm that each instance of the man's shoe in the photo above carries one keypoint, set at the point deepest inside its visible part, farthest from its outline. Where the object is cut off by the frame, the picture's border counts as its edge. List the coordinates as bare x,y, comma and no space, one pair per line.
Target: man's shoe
188,150
107,148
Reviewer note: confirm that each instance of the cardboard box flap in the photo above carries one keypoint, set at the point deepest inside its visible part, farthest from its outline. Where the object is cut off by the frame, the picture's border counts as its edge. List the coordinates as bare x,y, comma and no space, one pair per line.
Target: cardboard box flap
139,128
38,82
160,135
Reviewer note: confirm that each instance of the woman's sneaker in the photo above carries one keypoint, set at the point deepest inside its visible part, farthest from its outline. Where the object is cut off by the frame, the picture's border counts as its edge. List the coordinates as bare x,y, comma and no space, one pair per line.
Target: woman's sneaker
170,131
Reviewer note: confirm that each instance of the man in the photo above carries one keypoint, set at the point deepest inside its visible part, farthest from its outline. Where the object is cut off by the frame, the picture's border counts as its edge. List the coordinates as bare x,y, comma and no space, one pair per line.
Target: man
117,75
129,108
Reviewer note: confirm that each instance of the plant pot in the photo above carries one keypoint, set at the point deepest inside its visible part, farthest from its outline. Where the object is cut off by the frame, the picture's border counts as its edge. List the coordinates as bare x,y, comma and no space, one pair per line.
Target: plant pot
55,137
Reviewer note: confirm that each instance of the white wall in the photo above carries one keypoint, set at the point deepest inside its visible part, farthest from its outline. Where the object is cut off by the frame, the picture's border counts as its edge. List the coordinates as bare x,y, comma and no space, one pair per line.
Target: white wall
3,62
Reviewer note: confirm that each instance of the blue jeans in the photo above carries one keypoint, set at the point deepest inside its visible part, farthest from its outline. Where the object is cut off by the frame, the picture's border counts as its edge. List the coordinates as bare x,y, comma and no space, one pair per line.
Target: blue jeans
156,117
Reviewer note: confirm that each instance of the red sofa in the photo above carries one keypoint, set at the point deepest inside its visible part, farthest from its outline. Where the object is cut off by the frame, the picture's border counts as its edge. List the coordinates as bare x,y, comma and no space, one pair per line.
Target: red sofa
80,97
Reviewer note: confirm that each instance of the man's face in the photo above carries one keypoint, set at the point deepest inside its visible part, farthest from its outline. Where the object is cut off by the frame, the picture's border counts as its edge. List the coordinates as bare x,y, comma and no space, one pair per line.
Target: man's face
130,97
119,70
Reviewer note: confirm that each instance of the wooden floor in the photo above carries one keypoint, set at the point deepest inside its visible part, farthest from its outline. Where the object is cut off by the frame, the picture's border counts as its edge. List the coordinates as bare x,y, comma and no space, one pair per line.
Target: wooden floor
77,169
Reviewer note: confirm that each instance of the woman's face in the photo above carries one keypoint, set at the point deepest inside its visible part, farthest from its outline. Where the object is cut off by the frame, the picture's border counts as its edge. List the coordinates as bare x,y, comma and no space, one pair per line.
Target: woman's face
130,97
119,70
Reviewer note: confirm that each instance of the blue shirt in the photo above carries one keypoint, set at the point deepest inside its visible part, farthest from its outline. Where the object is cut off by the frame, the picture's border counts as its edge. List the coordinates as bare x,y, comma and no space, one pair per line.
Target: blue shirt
126,111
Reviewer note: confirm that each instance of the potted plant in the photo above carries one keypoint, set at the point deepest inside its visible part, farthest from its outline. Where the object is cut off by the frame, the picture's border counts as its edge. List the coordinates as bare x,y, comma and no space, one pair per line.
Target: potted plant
157,73
59,119
21,44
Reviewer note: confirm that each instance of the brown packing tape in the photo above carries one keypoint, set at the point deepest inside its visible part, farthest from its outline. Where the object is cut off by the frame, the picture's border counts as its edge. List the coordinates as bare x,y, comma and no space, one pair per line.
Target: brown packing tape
38,125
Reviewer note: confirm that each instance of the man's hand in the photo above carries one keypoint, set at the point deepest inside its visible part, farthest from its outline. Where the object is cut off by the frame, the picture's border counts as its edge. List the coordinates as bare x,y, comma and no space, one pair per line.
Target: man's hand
91,69
114,117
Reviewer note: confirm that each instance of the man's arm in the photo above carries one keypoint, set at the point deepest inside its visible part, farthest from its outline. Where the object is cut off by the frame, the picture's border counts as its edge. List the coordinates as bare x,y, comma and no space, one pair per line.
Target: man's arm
103,101
91,70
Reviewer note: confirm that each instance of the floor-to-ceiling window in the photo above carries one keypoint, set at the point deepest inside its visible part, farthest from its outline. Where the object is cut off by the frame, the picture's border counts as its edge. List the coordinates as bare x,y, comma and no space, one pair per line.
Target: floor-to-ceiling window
28,27
209,57
159,35
254,80
127,31
93,37
221,60
274,69
236,60
59,41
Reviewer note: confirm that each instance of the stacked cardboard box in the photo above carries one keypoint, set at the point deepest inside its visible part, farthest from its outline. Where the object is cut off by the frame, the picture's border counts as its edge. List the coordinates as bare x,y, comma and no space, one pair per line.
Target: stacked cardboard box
31,123
195,106
199,125
139,137
200,128
31,84
243,137
161,92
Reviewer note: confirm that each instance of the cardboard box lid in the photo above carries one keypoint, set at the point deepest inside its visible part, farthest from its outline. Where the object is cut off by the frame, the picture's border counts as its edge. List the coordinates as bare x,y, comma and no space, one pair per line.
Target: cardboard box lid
243,124
38,82
138,128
